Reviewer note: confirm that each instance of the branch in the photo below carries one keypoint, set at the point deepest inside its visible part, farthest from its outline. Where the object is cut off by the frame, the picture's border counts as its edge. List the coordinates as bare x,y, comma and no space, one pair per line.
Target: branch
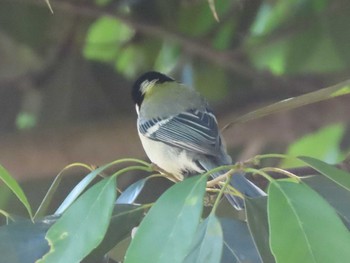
190,45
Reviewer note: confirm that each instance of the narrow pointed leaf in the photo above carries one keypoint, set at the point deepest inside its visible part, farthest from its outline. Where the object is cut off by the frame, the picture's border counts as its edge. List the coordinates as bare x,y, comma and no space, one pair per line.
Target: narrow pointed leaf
132,192
256,211
303,226
166,233
79,188
238,242
124,219
208,243
340,177
53,188
83,225
340,89
337,196
15,188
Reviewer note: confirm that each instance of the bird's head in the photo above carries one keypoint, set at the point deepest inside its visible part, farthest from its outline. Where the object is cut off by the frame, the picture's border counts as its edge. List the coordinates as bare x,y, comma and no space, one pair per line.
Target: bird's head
145,84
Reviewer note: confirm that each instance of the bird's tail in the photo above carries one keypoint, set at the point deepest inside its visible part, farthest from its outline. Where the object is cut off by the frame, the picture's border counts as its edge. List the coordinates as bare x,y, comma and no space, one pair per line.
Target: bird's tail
239,182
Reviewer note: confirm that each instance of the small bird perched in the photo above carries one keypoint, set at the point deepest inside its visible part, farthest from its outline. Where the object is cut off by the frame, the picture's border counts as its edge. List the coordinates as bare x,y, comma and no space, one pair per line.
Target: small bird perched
180,134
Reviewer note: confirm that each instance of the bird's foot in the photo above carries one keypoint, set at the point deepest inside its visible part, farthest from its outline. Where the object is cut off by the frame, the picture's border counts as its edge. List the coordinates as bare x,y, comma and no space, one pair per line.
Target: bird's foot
167,175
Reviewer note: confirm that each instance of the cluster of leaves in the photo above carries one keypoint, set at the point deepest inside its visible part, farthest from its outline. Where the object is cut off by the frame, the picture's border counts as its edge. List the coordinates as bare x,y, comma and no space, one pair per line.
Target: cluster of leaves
270,36
297,221
286,38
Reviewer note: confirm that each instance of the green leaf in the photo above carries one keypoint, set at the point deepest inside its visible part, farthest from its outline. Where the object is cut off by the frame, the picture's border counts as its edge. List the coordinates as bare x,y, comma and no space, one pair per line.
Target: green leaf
167,57
203,20
256,210
274,14
238,242
124,219
271,57
104,38
335,195
328,151
167,231
129,61
308,49
83,225
198,26
15,188
223,38
80,187
24,241
303,226
50,193
339,89
338,176
299,51
208,243
132,192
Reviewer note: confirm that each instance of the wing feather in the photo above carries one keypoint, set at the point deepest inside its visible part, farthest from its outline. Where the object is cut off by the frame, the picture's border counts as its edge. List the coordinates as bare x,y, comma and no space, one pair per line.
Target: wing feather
192,130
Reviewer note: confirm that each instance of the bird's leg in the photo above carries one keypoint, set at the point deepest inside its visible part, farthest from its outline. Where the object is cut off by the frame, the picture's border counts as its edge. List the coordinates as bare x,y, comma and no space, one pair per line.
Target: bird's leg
167,175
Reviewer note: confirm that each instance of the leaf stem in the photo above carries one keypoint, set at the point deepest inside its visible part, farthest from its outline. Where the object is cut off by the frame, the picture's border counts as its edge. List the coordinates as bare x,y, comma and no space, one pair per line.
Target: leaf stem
281,171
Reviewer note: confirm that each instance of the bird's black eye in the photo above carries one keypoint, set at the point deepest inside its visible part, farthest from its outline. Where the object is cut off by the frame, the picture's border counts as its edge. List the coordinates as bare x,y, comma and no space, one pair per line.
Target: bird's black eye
152,76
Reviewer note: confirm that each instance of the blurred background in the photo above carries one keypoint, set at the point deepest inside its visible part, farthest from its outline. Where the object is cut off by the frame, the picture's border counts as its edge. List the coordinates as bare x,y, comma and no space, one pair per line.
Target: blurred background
65,78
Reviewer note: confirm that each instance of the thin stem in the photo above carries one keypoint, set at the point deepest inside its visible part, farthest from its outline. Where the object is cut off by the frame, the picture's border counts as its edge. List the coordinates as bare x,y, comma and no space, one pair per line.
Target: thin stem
131,168
234,191
260,172
49,194
281,171
218,198
7,215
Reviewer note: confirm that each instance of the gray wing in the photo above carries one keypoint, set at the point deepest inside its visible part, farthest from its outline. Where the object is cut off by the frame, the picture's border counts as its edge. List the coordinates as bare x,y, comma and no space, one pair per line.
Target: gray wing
193,130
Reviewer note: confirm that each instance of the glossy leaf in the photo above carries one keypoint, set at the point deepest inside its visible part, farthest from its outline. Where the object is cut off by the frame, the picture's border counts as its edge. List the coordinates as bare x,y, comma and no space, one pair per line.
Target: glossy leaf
79,188
338,176
123,220
303,226
339,89
208,243
83,225
166,233
53,188
238,242
256,210
336,196
132,192
15,188
24,241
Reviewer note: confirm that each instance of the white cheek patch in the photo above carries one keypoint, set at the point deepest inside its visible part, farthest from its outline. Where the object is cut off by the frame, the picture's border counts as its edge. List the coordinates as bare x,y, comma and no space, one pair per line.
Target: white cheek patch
137,109
146,85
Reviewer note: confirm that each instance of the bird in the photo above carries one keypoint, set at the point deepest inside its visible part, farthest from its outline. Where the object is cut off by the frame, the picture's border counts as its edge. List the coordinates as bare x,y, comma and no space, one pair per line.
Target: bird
179,132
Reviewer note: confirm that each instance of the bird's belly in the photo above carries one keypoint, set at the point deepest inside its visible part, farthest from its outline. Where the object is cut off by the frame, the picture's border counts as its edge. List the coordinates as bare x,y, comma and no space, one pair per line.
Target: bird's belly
171,159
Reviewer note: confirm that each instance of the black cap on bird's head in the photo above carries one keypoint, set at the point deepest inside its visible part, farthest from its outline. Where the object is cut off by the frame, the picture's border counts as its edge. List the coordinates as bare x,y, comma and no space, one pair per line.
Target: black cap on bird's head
141,84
